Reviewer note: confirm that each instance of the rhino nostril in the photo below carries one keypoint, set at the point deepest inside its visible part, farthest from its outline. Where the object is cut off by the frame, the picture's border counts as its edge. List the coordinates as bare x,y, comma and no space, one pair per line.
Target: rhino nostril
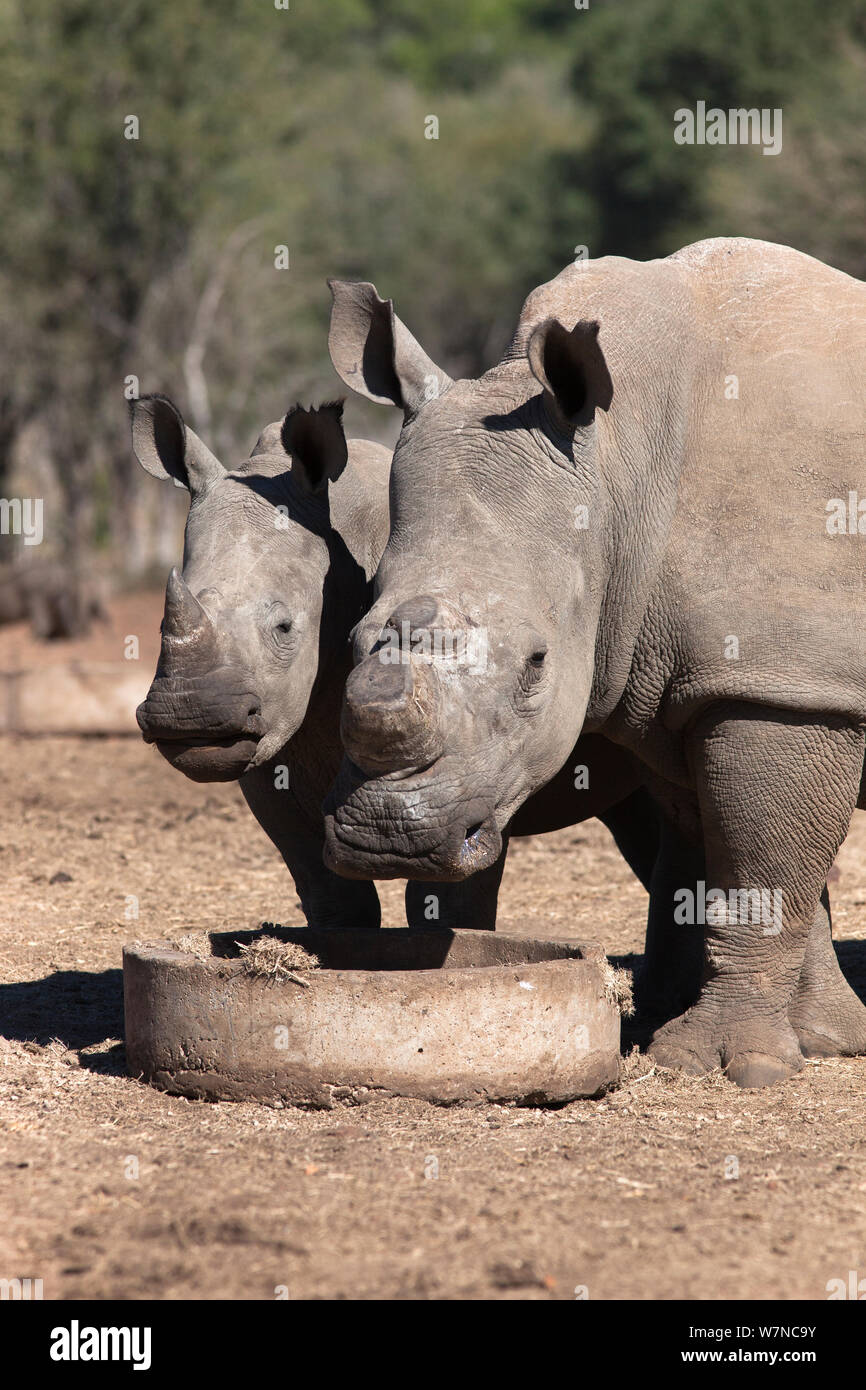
474,830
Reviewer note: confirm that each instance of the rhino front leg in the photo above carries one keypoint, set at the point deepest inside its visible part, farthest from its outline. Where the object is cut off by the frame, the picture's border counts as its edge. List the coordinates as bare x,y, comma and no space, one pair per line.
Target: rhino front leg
670,979
826,1014
471,903
776,793
327,899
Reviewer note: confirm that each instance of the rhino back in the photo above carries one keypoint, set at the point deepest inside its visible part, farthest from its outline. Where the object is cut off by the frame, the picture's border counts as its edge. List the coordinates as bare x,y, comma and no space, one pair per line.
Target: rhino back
739,412
777,429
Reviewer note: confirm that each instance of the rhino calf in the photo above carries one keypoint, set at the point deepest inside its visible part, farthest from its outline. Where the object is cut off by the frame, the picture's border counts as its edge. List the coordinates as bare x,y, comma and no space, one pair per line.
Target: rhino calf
278,556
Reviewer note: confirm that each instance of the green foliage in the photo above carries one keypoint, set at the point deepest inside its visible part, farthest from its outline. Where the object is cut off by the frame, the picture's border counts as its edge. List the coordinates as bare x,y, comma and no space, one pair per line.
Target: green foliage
636,71
305,127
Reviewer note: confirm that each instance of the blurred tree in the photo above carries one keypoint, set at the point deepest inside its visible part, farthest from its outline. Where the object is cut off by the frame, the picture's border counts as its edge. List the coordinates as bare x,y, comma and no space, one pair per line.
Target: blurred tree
94,218
635,70
259,128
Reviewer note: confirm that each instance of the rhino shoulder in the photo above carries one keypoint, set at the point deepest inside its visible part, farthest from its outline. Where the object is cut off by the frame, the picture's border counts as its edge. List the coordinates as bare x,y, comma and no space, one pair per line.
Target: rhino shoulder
370,462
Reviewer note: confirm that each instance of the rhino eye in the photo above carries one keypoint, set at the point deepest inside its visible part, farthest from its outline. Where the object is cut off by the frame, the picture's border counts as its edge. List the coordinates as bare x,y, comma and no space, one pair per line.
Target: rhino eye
533,670
283,628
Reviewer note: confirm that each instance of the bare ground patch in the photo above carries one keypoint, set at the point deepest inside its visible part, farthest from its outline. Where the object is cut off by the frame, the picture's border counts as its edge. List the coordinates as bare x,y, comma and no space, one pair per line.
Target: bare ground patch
112,1190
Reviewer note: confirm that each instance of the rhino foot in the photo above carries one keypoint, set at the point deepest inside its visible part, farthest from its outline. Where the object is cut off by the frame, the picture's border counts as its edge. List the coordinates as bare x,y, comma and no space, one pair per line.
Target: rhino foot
829,1023
753,1053
825,1013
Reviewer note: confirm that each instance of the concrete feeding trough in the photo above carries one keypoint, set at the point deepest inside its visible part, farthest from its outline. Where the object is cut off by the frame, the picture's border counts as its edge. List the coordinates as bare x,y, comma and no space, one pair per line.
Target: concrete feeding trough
317,1018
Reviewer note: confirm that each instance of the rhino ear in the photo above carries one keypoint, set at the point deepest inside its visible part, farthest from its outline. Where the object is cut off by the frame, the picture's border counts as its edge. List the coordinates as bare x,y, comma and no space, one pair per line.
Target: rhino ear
375,354
165,447
316,441
571,367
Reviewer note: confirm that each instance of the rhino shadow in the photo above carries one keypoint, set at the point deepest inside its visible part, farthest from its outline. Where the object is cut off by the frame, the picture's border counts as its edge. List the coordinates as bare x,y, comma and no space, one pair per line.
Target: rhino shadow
78,1008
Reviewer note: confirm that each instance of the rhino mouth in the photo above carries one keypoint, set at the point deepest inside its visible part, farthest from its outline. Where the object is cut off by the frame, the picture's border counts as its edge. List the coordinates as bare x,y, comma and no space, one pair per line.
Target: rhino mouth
207,727
419,826
208,759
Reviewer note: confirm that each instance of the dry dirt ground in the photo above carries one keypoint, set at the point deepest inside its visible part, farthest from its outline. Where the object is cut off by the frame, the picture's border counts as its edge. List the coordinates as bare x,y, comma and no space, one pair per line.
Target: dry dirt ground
109,1189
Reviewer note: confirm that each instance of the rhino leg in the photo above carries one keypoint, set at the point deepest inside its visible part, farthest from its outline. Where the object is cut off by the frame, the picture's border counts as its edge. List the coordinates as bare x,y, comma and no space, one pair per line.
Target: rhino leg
669,980
471,903
828,1017
636,825
826,1014
327,899
776,793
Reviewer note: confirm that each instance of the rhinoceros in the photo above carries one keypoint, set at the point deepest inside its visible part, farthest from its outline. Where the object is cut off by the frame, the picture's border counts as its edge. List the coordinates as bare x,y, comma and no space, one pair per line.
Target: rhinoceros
638,508
278,559
278,555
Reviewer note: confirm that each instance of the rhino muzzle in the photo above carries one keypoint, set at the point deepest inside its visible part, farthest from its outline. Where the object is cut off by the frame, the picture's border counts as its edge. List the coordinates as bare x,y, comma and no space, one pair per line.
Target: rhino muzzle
403,805
425,825
200,711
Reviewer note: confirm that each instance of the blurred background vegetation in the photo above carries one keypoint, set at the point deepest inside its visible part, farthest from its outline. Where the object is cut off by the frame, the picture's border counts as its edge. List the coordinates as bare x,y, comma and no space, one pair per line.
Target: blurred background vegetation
305,127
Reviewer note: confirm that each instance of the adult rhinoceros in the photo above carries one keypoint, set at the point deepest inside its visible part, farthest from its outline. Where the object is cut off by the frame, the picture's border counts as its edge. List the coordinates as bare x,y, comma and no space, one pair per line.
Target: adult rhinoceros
636,508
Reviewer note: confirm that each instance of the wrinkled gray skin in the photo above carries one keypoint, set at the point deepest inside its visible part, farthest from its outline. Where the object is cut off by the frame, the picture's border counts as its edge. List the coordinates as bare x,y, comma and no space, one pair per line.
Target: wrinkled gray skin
611,515
255,651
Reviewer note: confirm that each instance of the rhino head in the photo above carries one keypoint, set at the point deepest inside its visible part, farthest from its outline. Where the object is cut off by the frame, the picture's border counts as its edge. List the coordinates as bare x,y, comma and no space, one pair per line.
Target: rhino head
242,641
476,661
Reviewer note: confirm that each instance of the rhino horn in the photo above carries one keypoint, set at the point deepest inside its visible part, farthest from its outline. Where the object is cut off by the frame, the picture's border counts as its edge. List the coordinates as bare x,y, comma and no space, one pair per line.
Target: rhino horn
185,622
391,719
184,614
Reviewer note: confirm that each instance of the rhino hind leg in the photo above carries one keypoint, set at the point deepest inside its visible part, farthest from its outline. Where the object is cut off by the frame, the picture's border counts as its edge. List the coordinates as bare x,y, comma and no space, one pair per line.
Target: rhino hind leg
826,1014
777,791
828,1017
